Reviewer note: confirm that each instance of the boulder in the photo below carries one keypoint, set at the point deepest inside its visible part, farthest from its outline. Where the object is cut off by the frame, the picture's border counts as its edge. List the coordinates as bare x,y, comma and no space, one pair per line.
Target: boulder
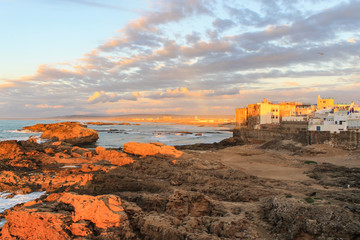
149,149
70,132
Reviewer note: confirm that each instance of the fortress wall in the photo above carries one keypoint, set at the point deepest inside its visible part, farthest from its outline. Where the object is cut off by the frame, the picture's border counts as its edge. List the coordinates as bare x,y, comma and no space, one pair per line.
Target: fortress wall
346,139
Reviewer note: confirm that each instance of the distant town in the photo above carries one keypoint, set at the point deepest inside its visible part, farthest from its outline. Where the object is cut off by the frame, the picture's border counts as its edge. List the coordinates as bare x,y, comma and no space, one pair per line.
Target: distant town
296,116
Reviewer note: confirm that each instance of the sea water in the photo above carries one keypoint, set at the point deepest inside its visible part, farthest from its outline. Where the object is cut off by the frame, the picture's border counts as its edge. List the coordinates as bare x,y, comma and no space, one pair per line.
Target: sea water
9,202
114,136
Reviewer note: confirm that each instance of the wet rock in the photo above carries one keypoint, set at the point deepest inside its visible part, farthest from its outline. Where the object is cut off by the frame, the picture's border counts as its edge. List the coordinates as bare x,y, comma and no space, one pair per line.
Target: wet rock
149,149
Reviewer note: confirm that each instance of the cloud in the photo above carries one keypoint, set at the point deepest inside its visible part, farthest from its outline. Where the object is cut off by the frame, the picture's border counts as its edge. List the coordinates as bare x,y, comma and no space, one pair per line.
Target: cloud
192,38
141,32
351,40
43,106
222,25
292,83
102,97
101,5
7,85
48,106
158,61
169,93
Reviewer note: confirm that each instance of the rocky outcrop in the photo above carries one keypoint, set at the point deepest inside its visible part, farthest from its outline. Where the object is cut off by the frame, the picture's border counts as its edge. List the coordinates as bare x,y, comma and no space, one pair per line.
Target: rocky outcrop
70,132
69,216
149,149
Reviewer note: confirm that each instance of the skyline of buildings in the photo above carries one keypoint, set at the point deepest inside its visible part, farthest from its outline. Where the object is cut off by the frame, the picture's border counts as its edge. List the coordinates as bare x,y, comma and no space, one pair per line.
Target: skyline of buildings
325,115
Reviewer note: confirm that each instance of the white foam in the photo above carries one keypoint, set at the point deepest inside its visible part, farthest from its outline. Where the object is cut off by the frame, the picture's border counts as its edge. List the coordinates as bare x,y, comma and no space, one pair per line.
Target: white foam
70,166
18,131
2,222
6,203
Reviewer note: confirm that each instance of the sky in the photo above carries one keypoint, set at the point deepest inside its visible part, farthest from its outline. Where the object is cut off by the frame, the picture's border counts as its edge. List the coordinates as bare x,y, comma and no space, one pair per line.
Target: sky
114,57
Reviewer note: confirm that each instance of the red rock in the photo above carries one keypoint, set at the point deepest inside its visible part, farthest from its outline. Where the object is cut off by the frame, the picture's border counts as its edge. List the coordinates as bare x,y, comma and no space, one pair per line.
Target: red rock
69,216
80,152
9,177
113,156
49,151
104,211
148,149
71,132
40,127
94,168
56,143
80,229
32,223
33,139
10,150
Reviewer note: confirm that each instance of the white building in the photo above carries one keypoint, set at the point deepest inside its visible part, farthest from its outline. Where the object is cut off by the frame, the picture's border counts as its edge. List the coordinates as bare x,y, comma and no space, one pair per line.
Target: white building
334,122
294,119
353,122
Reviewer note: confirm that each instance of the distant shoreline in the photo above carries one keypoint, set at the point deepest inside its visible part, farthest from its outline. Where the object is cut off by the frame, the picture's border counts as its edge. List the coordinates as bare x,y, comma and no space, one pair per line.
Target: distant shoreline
208,121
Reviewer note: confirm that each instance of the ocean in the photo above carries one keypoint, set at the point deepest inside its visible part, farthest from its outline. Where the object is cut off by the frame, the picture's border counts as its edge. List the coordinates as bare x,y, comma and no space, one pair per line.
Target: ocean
114,136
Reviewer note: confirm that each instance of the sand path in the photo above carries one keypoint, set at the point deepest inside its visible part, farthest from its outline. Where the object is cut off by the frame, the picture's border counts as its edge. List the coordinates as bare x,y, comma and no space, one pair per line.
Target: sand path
282,165
265,164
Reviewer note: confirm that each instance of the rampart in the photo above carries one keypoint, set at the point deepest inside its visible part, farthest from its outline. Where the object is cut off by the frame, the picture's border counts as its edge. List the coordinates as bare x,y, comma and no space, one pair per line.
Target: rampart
344,139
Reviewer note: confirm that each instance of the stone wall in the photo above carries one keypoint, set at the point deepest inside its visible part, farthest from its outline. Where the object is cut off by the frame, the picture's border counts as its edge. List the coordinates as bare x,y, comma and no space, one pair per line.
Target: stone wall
263,135
345,139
